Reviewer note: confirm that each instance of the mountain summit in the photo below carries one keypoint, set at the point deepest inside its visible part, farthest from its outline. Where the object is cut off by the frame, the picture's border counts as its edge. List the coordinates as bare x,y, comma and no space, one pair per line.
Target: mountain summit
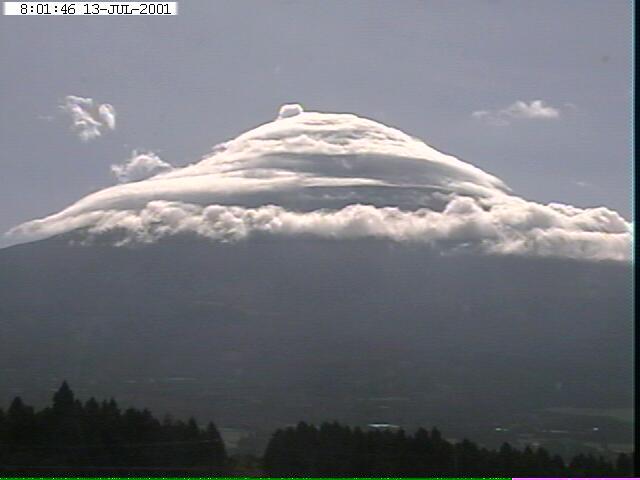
338,175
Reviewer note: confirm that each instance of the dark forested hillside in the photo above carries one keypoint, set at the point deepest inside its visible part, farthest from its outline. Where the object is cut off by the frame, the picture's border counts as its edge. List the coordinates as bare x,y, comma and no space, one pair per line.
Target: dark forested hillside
336,450
267,331
92,437
274,315
100,438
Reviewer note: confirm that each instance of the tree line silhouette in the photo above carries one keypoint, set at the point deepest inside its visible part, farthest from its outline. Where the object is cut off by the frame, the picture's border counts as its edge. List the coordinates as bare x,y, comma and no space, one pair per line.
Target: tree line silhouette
99,438
336,450
102,436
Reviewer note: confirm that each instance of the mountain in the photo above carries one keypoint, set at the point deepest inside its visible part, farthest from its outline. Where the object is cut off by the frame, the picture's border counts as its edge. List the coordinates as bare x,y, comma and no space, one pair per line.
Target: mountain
274,331
322,267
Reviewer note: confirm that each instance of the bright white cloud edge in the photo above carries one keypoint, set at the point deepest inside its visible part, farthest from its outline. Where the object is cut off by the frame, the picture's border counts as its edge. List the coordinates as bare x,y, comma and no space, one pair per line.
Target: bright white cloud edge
255,183
139,166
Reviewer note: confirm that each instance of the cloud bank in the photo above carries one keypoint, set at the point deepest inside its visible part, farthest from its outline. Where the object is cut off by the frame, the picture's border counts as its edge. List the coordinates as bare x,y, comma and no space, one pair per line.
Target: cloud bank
521,228
335,176
89,119
140,165
519,110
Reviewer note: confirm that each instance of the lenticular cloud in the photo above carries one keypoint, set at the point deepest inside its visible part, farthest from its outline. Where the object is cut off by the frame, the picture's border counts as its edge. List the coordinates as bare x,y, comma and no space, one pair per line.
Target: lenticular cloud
338,176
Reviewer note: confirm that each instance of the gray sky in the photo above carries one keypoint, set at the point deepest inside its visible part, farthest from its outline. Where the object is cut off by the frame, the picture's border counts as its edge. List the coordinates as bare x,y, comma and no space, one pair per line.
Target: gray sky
182,84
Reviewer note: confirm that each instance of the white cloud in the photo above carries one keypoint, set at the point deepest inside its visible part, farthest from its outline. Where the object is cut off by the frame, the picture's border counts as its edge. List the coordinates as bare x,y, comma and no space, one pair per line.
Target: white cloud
519,110
337,176
108,115
290,110
535,109
515,227
140,165
88,120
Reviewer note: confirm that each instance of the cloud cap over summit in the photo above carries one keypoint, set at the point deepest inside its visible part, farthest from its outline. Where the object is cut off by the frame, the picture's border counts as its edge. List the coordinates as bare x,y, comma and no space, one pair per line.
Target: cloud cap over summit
339,175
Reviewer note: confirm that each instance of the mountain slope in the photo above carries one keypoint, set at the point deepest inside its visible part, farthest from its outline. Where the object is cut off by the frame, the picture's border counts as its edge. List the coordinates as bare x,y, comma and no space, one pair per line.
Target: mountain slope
323,266
272,330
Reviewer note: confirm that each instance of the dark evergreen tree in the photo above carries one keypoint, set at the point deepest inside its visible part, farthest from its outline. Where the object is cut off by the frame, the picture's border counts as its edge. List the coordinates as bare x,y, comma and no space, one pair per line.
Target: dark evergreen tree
63,400
71,434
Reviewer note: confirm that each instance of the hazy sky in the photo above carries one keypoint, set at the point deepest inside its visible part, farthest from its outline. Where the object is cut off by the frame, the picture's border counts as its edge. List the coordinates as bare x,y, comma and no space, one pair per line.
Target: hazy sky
181,84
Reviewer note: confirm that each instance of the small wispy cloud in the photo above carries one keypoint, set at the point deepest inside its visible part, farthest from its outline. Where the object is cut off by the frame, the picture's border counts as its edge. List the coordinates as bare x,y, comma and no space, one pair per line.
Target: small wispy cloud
108,115
139,166
518,110
88,118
